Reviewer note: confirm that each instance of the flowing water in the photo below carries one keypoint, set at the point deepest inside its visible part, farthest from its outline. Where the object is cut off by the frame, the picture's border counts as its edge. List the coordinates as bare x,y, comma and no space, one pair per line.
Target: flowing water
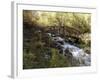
78,54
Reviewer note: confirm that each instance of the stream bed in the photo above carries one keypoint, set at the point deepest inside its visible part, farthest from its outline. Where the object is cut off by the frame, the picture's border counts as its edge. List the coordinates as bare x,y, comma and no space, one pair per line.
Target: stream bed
77,54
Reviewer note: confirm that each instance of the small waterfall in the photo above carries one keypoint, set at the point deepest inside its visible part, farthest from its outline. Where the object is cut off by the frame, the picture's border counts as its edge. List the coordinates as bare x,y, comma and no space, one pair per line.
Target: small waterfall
78,54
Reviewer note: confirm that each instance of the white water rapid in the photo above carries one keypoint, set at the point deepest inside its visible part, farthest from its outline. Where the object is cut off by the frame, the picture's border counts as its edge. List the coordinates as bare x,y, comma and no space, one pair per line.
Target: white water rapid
78,54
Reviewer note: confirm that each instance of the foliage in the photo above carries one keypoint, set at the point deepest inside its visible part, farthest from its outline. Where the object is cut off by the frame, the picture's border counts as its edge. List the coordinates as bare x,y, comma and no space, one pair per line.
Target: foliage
58,60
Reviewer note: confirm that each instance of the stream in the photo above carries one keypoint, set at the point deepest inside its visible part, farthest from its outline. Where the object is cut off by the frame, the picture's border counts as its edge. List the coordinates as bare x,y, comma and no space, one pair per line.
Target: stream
77,53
